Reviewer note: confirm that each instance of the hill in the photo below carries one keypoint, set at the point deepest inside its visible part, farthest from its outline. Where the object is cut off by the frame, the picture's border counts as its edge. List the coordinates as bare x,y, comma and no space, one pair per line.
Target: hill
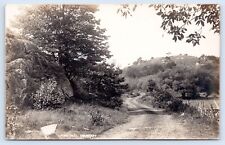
203,70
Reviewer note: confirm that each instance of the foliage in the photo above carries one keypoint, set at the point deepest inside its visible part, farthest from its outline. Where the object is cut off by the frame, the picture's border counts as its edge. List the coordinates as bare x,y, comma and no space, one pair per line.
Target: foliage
177,18
27,69
71,35
69,40
164,99
137,71
184,78
176,105
187,83
138,61
205,81
142,68
151,85
106,85
70,119
96,118
47,96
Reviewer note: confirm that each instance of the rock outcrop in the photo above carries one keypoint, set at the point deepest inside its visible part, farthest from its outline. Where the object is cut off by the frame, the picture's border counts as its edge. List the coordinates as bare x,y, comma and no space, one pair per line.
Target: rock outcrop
26,68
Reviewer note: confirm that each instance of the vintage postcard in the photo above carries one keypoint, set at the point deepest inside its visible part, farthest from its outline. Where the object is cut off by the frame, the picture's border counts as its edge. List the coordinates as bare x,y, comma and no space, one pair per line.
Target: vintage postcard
125,71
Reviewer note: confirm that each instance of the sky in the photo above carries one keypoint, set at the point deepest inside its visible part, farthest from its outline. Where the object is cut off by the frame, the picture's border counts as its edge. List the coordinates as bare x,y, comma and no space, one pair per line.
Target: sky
140,35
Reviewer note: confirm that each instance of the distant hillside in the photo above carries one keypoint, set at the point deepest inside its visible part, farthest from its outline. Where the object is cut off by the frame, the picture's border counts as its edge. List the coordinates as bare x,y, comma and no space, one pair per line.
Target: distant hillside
158,69
141,68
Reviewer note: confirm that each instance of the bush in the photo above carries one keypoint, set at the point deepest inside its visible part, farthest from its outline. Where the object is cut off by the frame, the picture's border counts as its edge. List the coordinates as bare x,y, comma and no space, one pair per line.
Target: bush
48,95
176,105
105,86
162,98
151,85
206,81
188,90
96,118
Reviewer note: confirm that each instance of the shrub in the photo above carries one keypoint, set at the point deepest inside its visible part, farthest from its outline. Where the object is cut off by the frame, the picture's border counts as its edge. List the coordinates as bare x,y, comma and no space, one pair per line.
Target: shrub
176,105
188,90
105,86
170,64
48,95
151,85
162,98
96,118
206,81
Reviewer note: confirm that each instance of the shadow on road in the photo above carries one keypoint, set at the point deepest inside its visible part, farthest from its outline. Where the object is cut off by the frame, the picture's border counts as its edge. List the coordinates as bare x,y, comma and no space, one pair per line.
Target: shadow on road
141,111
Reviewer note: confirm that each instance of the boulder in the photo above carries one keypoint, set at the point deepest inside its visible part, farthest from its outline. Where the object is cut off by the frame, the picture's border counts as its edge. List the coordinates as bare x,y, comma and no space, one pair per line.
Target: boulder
26,68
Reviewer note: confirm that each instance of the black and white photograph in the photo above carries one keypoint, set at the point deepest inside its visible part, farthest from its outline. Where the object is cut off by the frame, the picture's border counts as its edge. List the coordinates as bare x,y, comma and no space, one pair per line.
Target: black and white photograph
112,71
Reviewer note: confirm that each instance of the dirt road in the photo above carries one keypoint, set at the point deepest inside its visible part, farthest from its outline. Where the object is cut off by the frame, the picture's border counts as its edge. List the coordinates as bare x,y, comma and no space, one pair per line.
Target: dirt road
149,123
144,122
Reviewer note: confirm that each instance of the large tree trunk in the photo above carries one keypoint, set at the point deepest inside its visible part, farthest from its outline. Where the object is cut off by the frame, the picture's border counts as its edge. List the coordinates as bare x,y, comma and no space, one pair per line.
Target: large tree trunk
76,90
74,87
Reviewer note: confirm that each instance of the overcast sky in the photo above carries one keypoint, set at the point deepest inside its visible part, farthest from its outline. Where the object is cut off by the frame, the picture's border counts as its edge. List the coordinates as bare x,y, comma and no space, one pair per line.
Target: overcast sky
141,36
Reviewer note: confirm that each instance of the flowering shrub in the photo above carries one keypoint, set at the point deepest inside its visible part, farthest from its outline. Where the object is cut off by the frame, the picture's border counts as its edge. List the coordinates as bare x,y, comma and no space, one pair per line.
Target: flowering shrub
48,95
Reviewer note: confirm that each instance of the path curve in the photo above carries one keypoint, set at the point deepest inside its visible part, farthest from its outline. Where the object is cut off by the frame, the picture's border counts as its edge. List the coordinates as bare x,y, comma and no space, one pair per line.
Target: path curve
146,122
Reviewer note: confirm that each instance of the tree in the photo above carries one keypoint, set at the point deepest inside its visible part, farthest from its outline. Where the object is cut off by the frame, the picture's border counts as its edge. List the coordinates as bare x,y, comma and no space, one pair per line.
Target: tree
71,35
106,85
176,19
206,80
138,61
151,86
188,90
169,63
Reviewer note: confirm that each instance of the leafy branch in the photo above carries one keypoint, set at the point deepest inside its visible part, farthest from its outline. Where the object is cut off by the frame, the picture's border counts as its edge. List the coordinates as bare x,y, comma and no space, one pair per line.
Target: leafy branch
176,18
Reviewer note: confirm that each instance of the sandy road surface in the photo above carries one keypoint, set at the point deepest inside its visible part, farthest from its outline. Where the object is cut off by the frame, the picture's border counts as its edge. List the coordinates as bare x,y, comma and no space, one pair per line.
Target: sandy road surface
149,123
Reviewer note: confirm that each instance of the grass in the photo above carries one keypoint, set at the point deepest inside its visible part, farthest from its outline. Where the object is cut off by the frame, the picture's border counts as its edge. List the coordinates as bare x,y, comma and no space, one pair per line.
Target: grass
73,121
203,117
205,109
200,113
204,103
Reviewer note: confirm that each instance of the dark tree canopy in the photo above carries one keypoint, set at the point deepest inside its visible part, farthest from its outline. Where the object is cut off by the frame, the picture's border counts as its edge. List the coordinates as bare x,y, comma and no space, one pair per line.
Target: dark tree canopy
176,19
71,36
69,32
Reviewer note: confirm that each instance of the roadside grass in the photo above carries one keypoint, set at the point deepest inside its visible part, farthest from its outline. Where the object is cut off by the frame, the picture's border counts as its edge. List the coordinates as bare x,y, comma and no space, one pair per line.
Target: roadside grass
206,114
206,108
209,114
204,103
201,116
74,119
